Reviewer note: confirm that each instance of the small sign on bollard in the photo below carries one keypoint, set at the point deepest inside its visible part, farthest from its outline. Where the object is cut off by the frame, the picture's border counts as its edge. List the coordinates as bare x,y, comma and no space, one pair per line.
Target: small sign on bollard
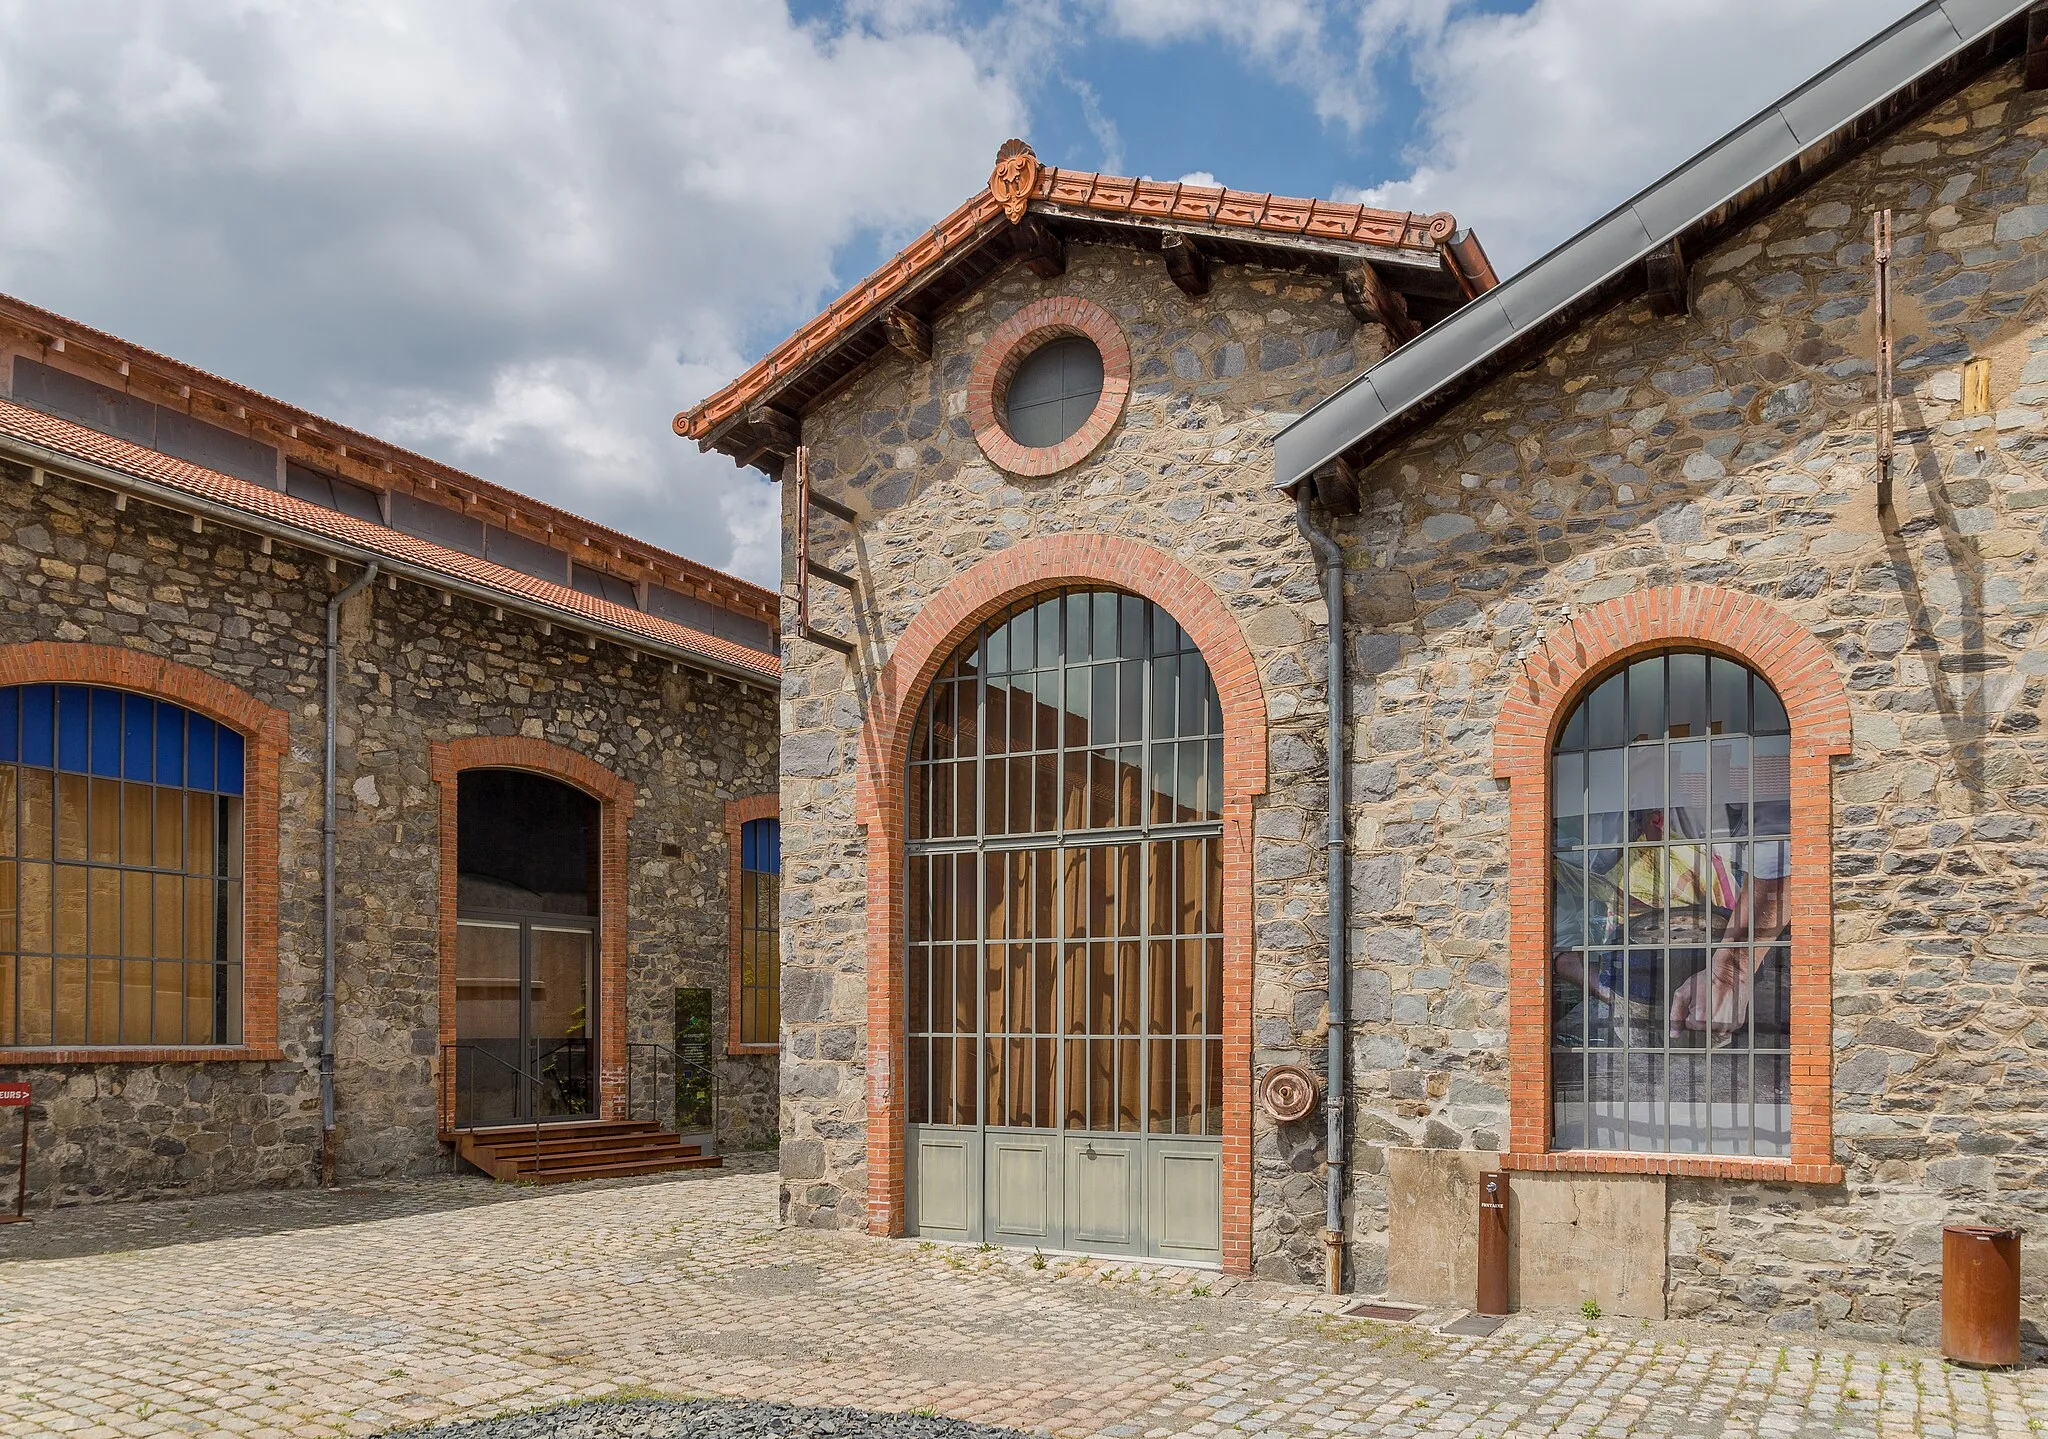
14,1095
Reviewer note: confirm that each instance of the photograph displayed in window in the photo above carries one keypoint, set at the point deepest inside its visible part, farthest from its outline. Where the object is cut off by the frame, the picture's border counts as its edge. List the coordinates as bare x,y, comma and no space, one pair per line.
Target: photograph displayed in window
760,934
120,871
1065,895
1670,919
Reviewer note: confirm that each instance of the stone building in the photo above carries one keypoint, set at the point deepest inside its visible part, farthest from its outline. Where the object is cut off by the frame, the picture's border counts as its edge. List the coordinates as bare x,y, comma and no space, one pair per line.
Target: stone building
1690,790
553,748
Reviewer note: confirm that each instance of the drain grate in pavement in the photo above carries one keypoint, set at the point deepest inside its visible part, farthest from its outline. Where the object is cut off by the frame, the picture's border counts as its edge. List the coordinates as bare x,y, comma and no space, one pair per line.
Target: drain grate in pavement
1397,1313
1477,1325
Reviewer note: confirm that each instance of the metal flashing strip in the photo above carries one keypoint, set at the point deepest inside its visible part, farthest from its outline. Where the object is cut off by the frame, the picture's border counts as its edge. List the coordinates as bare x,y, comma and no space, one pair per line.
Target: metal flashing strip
1825,105
100,476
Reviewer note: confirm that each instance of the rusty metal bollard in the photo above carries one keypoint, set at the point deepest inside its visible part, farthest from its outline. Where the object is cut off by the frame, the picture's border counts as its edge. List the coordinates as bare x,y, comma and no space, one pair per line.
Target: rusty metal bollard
1493,1243
1980,1295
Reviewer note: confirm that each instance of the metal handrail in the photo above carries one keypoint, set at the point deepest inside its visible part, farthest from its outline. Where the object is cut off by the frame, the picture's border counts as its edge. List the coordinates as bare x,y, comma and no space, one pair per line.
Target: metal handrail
709,1068
451,1091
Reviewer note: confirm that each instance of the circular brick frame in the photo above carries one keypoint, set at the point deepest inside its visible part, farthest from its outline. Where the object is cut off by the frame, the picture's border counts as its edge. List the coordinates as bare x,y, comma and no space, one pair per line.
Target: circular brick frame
1539,700
614,794
941,626
988,383
264,729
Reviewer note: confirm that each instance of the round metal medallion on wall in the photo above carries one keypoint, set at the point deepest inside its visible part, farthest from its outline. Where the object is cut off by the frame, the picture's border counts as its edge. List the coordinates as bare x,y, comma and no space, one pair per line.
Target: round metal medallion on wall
1288,1092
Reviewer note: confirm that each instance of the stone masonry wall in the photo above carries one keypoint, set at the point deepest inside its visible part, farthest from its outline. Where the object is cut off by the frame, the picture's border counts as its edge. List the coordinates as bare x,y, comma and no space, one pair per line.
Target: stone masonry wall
413,672
1735,446
1186,471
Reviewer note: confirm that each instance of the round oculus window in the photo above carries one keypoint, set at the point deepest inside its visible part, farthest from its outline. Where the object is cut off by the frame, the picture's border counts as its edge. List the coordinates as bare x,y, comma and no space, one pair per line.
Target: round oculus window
1053,392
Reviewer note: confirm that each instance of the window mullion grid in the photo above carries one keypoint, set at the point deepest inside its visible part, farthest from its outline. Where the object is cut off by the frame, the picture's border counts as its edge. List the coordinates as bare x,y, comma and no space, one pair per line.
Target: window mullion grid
1141,1022
978,1047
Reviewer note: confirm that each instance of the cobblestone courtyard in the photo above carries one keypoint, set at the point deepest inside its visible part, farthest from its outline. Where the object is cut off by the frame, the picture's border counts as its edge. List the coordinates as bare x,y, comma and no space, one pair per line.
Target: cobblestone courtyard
353,1313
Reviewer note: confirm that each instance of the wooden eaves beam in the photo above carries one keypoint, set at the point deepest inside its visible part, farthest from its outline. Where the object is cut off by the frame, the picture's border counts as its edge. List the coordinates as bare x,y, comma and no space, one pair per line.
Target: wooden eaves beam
1664,275
2037,48
1372,300
1185,265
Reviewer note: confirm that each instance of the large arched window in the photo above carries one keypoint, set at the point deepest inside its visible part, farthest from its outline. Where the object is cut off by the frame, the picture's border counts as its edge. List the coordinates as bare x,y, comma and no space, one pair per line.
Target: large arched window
1670,1012
1064,925
120,871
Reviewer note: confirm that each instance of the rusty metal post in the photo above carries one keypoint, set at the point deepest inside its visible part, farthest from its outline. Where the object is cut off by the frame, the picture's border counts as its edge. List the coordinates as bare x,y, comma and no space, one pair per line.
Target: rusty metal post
1881,258
1493,1243
1980,1295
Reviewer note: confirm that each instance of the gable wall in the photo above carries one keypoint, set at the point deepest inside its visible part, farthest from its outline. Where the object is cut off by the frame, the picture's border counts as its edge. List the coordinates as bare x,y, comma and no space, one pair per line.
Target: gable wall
1186,471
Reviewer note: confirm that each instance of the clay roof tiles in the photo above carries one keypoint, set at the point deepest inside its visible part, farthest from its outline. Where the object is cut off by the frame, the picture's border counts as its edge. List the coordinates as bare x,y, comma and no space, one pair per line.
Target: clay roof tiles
278,412
76,441
1260,216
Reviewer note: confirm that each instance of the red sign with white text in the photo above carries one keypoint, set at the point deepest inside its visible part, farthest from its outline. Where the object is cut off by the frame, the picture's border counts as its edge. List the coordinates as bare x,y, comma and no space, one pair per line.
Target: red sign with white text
13,1096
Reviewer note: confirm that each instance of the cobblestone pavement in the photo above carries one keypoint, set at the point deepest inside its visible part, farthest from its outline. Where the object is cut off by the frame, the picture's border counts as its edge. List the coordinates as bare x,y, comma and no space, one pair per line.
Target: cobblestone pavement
360,1311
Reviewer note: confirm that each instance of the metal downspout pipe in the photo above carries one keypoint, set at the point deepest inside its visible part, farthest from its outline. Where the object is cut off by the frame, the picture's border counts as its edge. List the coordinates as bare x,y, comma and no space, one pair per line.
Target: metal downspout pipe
334,605
1339,1003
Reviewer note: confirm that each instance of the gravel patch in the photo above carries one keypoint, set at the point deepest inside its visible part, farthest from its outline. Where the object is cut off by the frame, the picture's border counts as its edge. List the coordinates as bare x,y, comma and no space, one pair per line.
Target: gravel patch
706,1419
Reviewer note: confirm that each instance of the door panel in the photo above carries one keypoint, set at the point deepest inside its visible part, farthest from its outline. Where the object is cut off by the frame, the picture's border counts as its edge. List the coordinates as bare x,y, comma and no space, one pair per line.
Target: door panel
1184,1186
1023,1202
945,1182
558,1020
487,1004
1103,1177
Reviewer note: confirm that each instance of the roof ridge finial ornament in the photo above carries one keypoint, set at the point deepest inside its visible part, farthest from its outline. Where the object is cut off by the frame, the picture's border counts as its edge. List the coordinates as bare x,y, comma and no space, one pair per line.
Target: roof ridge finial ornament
1014,178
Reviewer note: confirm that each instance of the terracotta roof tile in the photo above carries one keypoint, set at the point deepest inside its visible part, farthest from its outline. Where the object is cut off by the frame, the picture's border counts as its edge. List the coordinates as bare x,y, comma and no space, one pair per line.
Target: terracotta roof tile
1114,196
78,442
35,317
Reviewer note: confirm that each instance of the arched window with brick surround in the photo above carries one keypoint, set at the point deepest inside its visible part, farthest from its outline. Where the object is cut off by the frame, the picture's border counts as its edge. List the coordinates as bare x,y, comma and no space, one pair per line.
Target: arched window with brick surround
1670,869
1670,978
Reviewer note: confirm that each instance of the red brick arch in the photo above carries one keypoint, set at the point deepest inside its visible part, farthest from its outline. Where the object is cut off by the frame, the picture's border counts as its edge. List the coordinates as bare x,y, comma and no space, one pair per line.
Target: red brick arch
1540,699
614,794
941,626
264,730
988,383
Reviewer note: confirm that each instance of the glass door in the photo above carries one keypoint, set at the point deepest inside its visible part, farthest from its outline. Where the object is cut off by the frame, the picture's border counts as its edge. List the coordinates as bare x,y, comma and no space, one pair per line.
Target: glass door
558,992
523,991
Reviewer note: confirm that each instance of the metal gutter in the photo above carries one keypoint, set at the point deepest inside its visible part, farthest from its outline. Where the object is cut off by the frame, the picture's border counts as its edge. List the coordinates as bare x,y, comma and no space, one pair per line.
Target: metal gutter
1337,1158
105,477
1834,99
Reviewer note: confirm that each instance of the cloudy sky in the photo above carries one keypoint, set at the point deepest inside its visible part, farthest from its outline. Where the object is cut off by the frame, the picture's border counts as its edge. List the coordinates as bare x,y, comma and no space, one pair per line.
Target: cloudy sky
520,236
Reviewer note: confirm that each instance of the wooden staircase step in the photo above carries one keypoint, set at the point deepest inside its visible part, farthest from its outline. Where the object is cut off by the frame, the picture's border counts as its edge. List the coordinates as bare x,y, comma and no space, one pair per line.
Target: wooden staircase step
579,1149
616,1169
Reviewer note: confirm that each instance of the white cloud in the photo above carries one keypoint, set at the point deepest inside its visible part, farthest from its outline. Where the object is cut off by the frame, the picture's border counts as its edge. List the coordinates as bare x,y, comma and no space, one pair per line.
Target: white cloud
1537,123
518,238
1533,122
1100,126
1199,177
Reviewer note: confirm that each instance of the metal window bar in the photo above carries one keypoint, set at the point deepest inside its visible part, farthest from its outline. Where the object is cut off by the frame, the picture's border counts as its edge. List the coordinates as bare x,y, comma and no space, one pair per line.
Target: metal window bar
1733,1067
87,851
1055,844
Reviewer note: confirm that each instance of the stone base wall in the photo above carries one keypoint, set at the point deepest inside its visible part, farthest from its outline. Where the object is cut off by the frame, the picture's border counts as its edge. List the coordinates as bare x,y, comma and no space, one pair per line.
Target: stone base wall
413,673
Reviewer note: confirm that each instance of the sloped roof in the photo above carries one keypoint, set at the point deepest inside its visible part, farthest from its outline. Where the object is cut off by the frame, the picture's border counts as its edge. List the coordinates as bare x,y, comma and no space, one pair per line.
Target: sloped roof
1428,242
372,461
1873,89
228,499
